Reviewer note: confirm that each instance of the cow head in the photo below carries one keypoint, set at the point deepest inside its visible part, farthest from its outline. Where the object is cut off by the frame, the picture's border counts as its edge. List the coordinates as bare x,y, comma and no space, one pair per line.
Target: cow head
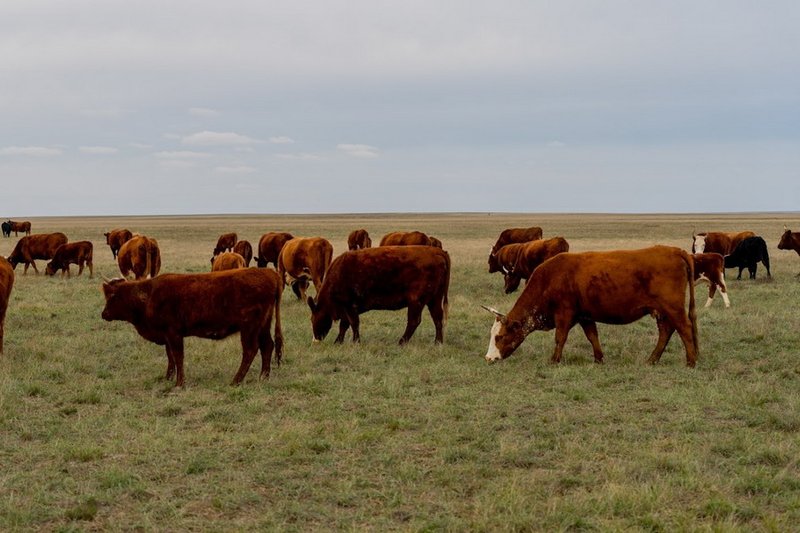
108,241
511,282
786,240
321,320
51,268
506,335
124,300
494,262
698,243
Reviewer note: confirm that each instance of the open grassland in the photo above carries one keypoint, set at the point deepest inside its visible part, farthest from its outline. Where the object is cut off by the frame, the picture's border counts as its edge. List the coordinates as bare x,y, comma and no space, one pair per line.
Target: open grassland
421,437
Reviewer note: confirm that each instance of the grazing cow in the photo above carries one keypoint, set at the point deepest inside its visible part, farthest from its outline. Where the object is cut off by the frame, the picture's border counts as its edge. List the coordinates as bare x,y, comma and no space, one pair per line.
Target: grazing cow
215,305
225,243
227,261
790,240
531,255
405,238
17,227
747,254
391,278
710,268
517,235
358,239
6,284
33,247
270,246
617,287
718,242
116,238
505,258
139,256
79,253
245,249
6,228
302,259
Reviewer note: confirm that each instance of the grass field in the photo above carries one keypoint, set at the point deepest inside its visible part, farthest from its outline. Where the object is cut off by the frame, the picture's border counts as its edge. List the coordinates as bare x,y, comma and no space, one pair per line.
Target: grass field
421,438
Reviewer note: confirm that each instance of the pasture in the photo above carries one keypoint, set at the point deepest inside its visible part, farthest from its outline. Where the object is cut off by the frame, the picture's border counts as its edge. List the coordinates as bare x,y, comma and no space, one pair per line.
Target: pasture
420,437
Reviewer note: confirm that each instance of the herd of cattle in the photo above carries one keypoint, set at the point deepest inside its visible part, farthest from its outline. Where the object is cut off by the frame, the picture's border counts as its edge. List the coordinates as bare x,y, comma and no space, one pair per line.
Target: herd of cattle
408,270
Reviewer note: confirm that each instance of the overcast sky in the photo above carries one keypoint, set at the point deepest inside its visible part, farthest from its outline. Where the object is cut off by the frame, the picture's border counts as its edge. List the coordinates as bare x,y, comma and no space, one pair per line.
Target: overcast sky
153,107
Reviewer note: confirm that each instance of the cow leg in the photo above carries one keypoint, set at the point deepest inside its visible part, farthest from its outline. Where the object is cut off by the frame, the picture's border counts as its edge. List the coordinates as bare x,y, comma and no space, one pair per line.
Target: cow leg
752,269
665,331
25,272
91,269
170,364
266,345
344,325
712,290
175,345
355,322
80,268
590,329
437,314
684,328
36,270
740,273
414,319
250,346
562,332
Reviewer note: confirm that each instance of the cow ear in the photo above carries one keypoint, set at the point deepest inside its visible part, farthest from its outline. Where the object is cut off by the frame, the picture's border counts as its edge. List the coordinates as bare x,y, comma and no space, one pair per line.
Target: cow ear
311,304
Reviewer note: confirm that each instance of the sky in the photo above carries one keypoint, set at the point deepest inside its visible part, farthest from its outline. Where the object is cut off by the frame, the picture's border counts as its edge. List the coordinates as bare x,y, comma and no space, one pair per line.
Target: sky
115,107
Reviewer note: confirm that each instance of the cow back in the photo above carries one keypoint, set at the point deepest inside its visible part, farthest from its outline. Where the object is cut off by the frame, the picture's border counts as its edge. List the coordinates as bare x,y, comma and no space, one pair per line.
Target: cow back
534,253
270,246
227,261
306,256
42,246
405,238
358,239
517,235
245,249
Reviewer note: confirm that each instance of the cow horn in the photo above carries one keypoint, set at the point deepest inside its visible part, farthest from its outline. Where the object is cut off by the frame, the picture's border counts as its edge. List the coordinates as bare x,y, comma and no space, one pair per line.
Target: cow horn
106,280
494,311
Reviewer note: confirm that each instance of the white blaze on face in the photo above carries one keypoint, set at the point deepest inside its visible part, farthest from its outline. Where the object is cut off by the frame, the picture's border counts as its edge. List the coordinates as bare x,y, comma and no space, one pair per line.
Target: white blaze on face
493,354
699,244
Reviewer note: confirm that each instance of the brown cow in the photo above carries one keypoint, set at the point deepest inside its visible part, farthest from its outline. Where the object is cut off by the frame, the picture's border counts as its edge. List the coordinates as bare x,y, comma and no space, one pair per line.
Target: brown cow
17,227
79,253
270,246
718,242
531,255
391,277
405,238
215,305
116,238
302,259
245,249
617,287
227,261
505,258
790,240
6,284
139,256
358,239
517,235
710,268
225,243
436,243
42,246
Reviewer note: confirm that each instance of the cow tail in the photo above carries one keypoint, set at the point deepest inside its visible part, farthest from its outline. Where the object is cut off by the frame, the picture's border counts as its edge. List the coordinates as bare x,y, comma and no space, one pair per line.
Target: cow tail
445,304
765,257
692,311
278,329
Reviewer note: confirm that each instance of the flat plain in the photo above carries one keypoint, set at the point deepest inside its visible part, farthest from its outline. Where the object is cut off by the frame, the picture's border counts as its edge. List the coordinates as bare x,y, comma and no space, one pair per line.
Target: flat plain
421,437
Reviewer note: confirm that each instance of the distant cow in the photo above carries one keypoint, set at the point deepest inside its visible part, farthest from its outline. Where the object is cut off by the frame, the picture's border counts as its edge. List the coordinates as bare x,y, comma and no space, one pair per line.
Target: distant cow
139,256
436,243
718,242
710,268
33,247
405,238
790,240
531,255
505,258
302,259
215,305
227,261
79,253
517,235
245,249
116,238
358,239
6,284
6,229
747,254
617,287
391,277
225,243
19,227
270,246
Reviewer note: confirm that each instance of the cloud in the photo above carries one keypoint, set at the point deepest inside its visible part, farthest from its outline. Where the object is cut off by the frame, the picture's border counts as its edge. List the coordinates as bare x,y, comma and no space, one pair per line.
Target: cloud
98,150
281,140
203,112
236,169
181,154
299,155
33,151
359,150
213,138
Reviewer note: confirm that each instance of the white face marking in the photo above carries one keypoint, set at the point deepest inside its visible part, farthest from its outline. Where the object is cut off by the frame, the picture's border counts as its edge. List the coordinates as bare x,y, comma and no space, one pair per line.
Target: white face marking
493,354
699,244
725,297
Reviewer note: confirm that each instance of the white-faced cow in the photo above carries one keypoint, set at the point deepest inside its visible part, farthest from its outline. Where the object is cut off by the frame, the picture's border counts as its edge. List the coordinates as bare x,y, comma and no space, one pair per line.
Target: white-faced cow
718,242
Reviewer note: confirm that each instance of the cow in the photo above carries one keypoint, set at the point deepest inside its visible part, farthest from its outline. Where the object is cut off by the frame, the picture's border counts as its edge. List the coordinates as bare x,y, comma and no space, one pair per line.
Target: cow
213,305
505,258
531,255
790,240
6,228
302,259
17,227
436,243
387,277
139,256
615,287
747,254
227,261
405,238
270,246
79,253
245,249
710,268
718,242
31,247
517,235
116,238
6,284
225,243
358,239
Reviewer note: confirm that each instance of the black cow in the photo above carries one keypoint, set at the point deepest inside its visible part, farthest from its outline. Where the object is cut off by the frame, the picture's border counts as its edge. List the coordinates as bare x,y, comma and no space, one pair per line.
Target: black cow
747,254
6,229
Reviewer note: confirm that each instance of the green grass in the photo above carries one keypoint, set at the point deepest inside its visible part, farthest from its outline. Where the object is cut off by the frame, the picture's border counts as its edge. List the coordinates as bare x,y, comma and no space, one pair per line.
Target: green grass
421,437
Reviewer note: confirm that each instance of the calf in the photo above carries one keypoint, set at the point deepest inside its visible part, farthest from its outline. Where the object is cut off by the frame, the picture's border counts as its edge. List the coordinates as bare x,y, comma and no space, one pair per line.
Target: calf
166,309
139,256
79,253
304,259
747,254
116,238
710,268
227,261
270,246
33,247
225,243
358,239
6,284
790,240
245,249
531,255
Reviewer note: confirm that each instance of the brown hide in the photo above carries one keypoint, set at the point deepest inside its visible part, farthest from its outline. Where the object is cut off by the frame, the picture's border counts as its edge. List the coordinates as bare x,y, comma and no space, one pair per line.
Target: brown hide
304,258
227,261
33,247
79,253
617,287
387,277
225,243
20,227
436,243
270,246
710,268
405,238
790,240
531,255
6,284
358,239
139,256
215,305
505,258
722,243
116,238
245,249
517,235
